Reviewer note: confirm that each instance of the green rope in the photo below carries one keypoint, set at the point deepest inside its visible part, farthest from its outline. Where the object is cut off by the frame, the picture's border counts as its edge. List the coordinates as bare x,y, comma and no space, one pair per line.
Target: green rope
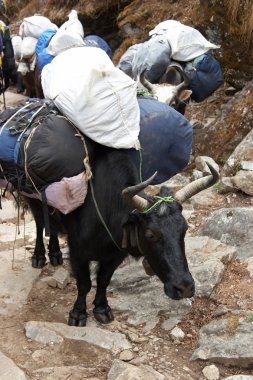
145,93
168,199
100,215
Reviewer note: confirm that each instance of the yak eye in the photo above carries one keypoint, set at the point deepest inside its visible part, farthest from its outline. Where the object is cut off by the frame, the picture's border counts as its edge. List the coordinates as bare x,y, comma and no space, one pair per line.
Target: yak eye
150,235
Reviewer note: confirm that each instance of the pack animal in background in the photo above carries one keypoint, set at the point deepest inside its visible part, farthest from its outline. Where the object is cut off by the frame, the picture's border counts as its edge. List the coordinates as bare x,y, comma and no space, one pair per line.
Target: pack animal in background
172,42
30,31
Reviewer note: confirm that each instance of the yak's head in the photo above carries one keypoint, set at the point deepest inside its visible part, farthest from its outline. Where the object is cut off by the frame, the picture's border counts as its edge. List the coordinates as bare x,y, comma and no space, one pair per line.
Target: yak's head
171,89
156,230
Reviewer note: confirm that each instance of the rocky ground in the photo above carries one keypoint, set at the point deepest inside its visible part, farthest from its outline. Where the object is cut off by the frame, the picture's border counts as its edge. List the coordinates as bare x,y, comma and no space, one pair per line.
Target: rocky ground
152,337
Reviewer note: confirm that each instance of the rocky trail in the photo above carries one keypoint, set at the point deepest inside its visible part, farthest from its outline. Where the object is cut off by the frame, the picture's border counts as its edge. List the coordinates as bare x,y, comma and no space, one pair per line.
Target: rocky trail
152,336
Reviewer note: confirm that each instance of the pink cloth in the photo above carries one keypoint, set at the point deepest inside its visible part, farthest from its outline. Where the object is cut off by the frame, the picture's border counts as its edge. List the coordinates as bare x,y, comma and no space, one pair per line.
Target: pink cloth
65,195
3,183
68,194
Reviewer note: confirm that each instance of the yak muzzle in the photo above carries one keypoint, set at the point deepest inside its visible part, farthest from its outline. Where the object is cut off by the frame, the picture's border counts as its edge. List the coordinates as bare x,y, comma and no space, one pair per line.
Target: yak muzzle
183,289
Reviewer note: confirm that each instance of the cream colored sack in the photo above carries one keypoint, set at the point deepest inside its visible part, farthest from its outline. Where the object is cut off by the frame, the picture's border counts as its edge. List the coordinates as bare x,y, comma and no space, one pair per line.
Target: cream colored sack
186,42
95,95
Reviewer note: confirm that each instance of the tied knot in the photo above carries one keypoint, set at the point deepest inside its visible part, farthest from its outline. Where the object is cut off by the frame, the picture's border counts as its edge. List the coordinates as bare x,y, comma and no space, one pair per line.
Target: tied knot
159,200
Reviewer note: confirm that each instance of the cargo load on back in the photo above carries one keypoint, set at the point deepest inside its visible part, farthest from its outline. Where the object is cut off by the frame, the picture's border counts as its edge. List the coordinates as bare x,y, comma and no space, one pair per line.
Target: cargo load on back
98,98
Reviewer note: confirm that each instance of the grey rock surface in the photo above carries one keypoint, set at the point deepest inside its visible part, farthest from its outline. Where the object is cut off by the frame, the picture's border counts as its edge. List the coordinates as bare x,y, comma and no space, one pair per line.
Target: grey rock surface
17,278
225,341
9,370
46,332
233,226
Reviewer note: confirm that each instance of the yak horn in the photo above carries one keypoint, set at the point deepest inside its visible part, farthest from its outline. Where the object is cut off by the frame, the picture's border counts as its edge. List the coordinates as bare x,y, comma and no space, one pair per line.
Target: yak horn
180,87
145,82
130,194
185,82
198,185
183,74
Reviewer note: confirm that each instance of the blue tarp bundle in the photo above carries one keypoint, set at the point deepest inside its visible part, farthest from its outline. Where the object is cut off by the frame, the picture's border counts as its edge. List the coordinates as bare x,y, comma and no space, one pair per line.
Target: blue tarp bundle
165,138
43,58
205,76
94,40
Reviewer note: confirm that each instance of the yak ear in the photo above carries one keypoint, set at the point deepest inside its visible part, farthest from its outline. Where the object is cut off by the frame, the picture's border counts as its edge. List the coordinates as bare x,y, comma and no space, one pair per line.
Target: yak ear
185,95
129,237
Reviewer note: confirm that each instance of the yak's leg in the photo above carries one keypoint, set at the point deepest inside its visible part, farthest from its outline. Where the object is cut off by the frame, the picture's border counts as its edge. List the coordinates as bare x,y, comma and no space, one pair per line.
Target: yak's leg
78,315
102,310
38,258
55,254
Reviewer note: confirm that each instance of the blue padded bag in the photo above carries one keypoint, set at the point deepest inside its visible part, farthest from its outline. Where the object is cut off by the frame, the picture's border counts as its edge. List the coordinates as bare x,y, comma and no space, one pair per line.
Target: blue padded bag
8,137
94,40
43,58
165,138
205,76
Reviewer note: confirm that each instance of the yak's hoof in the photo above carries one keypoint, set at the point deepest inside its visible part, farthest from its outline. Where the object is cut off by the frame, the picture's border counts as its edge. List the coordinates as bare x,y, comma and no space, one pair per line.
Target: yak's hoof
55,258
103,314
38,262
77,319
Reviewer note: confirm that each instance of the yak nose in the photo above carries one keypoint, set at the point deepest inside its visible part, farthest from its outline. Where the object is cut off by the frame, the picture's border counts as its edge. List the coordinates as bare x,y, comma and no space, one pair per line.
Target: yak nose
185,289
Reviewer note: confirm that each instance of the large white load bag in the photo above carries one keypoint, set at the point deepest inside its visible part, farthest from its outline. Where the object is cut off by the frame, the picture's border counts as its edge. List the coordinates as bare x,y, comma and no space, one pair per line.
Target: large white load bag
186,42
62,41
73,25
28,47
16,43
33,26
96,96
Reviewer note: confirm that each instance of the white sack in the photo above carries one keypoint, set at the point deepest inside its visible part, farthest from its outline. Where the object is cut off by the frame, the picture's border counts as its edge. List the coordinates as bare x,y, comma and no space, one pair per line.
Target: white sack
33,26
73,25
186,42
62,41
95,95
28,47
16,43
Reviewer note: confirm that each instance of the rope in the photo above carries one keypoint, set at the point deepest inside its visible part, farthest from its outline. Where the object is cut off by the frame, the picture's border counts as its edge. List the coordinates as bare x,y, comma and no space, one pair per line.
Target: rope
168,199
142,92
19,110
100,215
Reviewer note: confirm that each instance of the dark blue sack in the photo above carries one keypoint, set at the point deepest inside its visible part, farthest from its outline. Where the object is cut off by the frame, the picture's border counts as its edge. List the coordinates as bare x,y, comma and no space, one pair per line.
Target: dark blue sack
93,40
43,58
165,138
205,76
